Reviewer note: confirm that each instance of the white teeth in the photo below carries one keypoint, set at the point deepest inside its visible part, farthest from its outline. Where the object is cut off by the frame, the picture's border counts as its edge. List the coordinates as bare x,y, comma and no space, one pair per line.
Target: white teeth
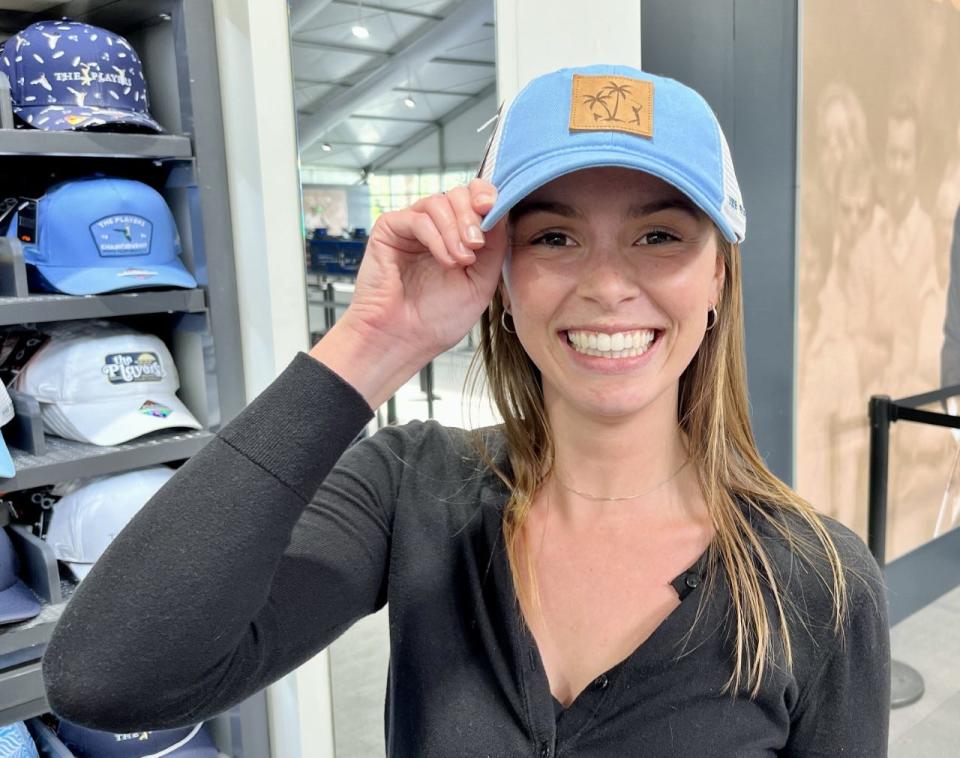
618,345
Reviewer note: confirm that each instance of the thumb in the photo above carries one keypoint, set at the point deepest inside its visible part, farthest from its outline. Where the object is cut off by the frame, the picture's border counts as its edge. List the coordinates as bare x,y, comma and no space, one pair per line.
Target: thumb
491,256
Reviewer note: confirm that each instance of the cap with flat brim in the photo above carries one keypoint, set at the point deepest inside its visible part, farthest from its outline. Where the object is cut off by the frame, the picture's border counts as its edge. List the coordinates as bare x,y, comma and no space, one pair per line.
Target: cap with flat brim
610,115
68,118
18,603
117,421
88,280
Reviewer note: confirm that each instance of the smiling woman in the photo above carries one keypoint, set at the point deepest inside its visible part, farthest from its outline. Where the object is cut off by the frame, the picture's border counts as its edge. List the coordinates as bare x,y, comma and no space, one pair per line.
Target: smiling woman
611,571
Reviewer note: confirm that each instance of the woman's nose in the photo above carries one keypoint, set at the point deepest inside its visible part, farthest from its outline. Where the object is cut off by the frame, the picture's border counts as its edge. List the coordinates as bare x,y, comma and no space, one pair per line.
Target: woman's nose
607,277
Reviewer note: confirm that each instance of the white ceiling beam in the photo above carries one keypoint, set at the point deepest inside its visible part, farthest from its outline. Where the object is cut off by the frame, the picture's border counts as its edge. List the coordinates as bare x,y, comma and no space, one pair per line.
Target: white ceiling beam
458,25
412,90
339,47
303,12
421,135
387,55
386,9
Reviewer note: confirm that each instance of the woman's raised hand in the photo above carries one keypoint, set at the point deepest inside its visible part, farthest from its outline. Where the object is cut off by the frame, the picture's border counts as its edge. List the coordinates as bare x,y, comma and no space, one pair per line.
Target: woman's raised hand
427,275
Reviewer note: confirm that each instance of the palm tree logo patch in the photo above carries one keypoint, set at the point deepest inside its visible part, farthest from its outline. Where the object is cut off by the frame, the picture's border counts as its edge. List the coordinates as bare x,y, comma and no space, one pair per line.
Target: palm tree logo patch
612,103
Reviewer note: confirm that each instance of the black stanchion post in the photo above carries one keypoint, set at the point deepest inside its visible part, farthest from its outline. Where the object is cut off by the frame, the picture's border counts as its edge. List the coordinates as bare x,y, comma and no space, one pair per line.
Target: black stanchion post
880,417
906,684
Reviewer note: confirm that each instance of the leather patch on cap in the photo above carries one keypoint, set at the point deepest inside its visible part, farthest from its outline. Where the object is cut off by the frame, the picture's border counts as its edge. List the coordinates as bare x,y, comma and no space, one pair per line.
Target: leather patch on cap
612,104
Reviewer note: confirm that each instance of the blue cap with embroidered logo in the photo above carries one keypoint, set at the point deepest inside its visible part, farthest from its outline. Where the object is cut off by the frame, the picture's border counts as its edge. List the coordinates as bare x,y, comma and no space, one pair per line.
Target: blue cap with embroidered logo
606,115
102,234
66,75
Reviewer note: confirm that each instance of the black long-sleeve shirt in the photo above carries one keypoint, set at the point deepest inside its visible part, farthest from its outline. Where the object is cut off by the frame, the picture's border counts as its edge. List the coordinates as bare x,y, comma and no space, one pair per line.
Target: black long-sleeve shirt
275,538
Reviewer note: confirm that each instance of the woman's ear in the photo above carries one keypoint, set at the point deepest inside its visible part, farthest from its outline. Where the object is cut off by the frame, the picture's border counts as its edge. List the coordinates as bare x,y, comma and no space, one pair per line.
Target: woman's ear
719,276
504,295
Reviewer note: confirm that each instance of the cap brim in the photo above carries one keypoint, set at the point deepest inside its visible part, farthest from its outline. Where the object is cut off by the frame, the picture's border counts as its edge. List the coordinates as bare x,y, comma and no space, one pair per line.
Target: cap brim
18,603
72,118
122,420
96,281
7,469
522,183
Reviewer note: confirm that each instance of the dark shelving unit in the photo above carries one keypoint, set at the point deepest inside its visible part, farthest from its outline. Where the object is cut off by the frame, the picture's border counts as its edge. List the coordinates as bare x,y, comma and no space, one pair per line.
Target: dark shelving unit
66,459
36,309
95,145
176,42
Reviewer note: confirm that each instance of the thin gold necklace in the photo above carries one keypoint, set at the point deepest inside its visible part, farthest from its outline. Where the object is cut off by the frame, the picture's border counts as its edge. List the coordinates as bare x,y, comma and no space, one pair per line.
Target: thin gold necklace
673,476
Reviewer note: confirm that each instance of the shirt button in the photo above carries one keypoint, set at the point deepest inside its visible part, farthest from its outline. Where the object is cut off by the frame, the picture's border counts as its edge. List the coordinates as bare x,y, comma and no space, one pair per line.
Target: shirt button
601,682
693,581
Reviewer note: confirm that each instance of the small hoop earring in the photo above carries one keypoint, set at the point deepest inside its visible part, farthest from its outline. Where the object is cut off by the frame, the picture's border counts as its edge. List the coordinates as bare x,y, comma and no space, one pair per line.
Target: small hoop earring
712,322
503,323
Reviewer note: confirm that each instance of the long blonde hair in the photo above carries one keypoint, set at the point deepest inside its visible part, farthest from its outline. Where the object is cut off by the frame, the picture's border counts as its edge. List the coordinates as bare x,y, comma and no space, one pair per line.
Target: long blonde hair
714,415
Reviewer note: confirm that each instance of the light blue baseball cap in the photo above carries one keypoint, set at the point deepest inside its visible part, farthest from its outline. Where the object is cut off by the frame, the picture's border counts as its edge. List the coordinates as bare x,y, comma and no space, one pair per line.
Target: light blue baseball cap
606,115
103,234
7,469
16,742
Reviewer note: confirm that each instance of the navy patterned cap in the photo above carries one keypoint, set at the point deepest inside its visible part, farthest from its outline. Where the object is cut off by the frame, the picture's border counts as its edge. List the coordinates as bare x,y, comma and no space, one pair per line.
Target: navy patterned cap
66,75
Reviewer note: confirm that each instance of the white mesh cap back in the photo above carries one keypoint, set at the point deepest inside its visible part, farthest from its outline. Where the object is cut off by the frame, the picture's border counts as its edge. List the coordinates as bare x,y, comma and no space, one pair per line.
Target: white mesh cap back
733,208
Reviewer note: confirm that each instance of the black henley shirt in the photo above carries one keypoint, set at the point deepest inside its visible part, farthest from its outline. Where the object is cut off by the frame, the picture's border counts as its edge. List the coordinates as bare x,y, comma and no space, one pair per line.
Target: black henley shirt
277,536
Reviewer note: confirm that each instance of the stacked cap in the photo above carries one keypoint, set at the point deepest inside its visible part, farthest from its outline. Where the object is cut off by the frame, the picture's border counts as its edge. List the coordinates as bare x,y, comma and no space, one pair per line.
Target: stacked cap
604,115
65,75
87,519
6,415
103,234
188,742
16,742
17,602
104,383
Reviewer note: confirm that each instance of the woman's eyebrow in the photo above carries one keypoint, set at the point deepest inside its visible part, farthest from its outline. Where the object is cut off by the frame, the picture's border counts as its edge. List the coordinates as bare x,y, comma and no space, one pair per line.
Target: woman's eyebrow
543,206
673,203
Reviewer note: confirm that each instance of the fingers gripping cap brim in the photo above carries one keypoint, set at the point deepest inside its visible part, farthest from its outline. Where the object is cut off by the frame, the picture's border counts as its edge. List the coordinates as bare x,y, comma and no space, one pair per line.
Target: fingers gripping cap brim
543,172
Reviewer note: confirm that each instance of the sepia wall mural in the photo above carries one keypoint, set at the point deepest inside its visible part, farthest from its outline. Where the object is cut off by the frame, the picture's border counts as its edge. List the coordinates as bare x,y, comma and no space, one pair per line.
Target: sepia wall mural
880,192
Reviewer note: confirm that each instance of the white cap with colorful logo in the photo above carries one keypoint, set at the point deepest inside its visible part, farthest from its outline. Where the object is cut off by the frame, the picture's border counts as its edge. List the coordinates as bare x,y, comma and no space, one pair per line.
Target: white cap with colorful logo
104,383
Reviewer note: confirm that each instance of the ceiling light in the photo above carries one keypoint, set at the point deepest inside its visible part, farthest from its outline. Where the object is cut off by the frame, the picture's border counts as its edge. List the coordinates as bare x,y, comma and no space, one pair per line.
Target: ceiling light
326,147
409,102
360,31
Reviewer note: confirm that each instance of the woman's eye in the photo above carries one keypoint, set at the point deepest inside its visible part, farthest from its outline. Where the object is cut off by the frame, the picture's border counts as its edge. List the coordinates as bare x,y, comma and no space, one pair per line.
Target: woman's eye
658,237
552,239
